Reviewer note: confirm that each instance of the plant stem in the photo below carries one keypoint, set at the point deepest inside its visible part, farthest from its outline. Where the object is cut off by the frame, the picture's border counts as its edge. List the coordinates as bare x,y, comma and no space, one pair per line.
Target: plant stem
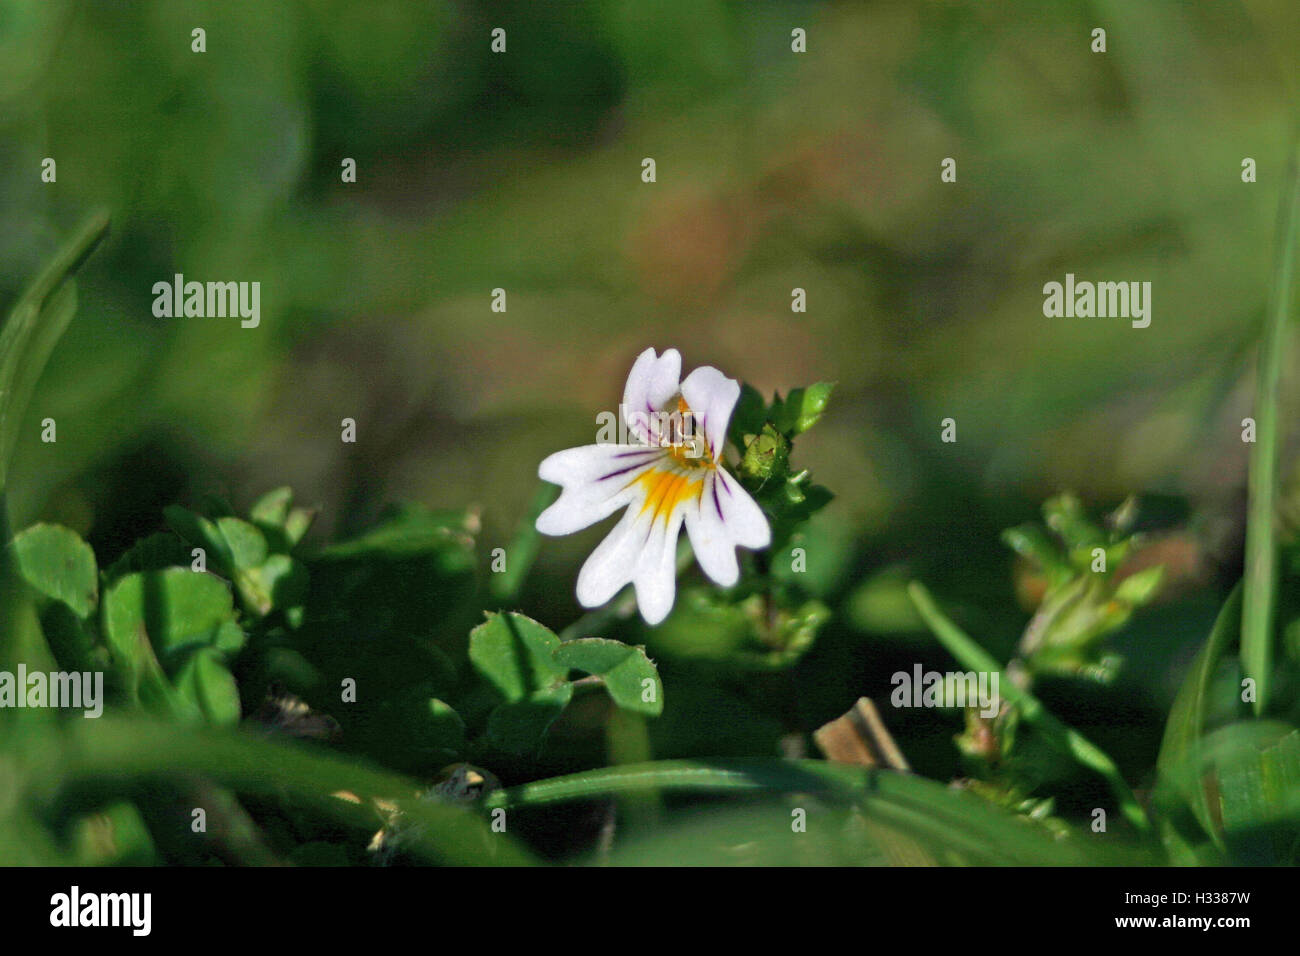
1260,596
974,657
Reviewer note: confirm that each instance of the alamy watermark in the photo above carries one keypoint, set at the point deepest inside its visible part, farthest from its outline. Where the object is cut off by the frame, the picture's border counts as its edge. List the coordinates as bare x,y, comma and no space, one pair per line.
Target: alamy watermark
68,690
1086,300
951,689
220,300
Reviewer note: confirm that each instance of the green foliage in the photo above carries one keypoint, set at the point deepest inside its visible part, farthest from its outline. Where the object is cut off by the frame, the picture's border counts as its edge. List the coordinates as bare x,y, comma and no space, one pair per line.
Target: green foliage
627,674
193,660
528,667
59,566
1088,591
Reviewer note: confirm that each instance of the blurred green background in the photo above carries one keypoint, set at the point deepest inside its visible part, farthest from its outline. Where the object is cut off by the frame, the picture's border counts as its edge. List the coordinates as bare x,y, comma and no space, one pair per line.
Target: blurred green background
775,170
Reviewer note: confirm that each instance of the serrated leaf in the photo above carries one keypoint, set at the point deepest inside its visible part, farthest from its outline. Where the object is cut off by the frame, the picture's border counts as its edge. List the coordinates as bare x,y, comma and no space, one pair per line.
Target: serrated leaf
59,565
629,676
515,654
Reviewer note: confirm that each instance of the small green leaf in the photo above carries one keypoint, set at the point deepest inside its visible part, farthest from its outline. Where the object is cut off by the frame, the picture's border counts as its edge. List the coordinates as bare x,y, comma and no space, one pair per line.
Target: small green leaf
272,508
205,681
201,532
629,676
802,408
59,565
1186,726
246,544
280,582
1138,589
515,654
172,609
1032,543
766,457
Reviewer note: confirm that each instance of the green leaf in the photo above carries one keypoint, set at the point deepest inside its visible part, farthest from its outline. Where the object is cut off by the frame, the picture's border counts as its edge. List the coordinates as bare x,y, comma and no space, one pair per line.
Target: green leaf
232,544
1260,595
1068,740
206,682
33,327
202,533
173,609
1138,589
272,509
516,655
59,565
1030,542
629,676
411,530
802,408
280,582
282,524
1185,727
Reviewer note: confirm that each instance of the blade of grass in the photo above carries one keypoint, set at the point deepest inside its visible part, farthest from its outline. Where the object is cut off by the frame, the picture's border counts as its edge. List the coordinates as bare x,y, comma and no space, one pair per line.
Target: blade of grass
942,818
974,657
33,327
1186,724
1260,595
28,337
116,748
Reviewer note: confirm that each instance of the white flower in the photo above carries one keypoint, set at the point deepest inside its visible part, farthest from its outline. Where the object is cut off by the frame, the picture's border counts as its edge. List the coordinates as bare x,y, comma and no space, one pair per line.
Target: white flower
665,478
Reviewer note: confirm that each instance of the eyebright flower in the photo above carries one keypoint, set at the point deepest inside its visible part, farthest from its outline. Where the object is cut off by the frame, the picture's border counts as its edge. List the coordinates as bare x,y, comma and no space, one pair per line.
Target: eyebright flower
668,474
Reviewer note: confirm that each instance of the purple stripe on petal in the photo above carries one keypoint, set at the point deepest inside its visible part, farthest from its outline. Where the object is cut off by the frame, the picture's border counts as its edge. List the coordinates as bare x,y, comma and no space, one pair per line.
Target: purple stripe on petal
639,451
620,471
725,487
716,503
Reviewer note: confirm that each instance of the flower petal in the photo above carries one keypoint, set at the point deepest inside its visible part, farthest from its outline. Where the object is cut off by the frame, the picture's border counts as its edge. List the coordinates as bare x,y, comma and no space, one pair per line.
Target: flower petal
656,572
597,481
652,382
614,562
712,398
711,539
743,518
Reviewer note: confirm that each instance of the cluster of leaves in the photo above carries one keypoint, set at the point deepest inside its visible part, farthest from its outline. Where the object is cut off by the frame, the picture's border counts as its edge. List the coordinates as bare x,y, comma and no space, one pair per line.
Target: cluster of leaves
1227,779
1084,587
223,618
